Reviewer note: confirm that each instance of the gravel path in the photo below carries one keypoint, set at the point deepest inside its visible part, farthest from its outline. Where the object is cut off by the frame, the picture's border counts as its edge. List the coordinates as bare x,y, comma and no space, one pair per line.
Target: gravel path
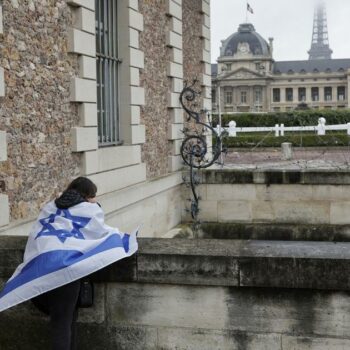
303,158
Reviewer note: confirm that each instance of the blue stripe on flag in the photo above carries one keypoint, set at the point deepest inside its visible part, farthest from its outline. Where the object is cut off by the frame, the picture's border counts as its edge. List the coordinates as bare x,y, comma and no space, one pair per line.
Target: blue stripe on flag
56,260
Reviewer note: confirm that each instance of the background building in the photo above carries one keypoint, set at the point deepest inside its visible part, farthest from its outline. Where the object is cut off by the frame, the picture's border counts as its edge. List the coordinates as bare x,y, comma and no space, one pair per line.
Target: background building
248,79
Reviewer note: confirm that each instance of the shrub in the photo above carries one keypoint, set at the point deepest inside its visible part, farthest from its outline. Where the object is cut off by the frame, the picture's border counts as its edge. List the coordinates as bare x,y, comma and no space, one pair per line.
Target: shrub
297,140
293,118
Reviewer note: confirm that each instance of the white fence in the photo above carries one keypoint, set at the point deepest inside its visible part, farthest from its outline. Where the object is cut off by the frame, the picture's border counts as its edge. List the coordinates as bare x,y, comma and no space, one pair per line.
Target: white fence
280,129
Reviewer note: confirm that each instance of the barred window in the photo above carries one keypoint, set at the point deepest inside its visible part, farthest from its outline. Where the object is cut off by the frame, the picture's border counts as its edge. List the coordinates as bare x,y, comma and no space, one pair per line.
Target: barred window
107,63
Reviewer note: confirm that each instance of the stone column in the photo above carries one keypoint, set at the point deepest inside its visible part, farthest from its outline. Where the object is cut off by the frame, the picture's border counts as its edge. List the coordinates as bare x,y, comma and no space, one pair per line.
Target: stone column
206,76
308,95
175,74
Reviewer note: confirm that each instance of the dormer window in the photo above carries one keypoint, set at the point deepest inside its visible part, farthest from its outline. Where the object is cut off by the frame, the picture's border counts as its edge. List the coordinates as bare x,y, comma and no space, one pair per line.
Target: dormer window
290,71
316,70
328,70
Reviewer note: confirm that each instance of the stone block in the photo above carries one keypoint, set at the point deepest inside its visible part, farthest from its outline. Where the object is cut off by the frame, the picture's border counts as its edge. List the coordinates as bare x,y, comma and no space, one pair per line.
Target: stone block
205,80
175,148
84,139
87,67
232,192
176,55
262,211
89,4
137,96
87,114
206,104
173,100
208,210
175,132
234,210
138,134
114,180
181,269
205,33
207,68
339,213
81,43
206,92
206,57
174,9
134,76
177,85
137,58
84,20
175,70
206,47
135,114
311,343
140,304
175,163
284,192
109,158
331,193
174,39
303,212
2,82
134,38
177,115
205,339
205,8
287,271
134,4
206,20
5,210
176,25
83,90
3,146
135,20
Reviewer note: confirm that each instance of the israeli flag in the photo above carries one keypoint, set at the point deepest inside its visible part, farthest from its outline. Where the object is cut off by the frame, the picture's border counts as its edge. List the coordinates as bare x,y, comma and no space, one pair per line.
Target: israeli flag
65,245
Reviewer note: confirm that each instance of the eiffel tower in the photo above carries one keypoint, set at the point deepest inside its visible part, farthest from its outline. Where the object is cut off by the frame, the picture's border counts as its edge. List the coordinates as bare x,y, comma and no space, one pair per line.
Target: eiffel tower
320,44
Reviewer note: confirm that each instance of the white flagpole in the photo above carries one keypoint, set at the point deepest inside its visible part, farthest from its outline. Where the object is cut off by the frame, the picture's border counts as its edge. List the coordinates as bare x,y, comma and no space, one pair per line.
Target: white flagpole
246,13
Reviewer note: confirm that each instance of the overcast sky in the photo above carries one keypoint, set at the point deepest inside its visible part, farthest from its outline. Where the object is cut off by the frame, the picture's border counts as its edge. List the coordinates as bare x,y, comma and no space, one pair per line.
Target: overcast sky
289,22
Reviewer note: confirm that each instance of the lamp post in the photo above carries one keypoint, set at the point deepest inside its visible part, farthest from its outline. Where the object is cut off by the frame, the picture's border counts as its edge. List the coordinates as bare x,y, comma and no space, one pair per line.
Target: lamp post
223,69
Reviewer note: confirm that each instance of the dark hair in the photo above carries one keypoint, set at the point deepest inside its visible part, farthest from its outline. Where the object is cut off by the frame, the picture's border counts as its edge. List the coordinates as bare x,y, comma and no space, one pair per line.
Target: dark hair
84,186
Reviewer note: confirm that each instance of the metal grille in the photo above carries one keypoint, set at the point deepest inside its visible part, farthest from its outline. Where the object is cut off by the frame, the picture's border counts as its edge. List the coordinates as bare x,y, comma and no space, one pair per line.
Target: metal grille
107,63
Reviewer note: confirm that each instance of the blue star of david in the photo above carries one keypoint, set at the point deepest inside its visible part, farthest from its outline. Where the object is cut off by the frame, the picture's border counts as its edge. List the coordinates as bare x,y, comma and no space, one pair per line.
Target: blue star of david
48,229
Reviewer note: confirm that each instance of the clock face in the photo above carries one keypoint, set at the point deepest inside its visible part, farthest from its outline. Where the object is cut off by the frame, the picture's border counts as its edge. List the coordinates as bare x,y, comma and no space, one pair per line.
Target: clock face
243,47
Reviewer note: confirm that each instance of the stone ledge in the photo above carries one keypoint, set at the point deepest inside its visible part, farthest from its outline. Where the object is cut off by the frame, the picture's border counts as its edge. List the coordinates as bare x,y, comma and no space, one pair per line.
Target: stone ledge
238,263
276,176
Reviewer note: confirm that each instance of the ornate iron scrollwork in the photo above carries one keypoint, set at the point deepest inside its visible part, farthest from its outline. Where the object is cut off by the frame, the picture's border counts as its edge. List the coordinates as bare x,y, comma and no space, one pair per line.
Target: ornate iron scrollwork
194,149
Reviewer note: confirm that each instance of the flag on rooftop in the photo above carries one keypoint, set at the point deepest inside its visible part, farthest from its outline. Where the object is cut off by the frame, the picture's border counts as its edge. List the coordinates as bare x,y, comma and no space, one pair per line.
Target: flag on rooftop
249,8
65,245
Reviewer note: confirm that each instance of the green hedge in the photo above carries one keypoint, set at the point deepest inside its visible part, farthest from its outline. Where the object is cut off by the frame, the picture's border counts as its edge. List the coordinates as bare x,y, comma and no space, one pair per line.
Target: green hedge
305,140
294,118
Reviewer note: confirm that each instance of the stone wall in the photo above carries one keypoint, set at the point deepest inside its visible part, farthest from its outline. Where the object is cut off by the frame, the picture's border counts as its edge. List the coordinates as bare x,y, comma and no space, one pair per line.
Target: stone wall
35,111
279,196
203,295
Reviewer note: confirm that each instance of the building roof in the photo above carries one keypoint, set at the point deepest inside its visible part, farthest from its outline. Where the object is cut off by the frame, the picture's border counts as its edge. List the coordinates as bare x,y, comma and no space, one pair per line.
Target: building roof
246,34
312,66
214,69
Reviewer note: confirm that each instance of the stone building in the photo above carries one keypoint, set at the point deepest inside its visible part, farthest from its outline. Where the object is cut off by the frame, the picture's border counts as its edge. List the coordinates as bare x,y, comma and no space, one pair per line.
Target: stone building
248,79
91,88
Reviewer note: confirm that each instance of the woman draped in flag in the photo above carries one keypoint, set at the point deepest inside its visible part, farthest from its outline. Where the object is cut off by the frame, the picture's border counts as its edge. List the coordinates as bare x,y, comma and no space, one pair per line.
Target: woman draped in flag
68,242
